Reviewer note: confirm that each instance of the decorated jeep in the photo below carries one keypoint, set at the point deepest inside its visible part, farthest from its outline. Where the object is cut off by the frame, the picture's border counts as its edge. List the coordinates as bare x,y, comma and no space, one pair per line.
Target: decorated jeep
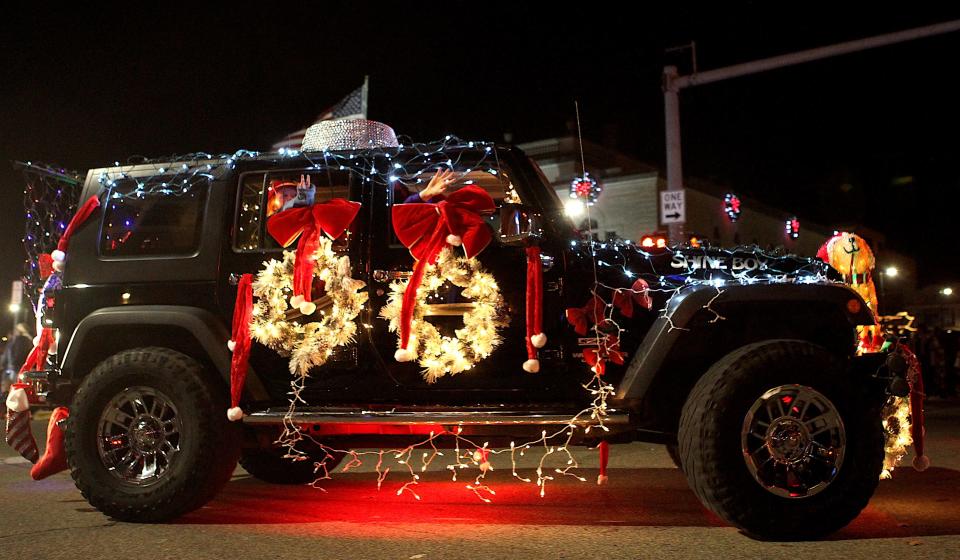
437,297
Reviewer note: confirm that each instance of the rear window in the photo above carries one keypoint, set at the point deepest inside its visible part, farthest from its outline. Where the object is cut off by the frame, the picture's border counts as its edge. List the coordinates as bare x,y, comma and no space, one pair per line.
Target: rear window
159,222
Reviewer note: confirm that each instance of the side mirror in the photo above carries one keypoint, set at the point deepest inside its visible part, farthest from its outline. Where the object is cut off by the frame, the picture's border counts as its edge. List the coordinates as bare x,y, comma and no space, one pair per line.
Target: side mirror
519,225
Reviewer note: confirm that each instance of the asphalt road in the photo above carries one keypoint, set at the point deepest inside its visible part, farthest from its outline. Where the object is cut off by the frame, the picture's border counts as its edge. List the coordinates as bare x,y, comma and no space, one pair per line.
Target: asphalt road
646,511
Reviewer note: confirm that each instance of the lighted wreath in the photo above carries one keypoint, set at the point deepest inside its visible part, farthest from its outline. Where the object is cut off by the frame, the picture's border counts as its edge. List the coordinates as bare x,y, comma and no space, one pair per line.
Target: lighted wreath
442,355
309,344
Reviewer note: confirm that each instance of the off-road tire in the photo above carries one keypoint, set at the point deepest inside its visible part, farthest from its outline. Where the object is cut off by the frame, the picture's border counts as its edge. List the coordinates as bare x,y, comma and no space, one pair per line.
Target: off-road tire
673,450
209,443
712,455
269,465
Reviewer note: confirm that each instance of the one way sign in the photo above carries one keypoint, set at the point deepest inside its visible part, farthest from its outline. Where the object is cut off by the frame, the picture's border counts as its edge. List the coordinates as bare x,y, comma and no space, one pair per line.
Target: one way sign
673,207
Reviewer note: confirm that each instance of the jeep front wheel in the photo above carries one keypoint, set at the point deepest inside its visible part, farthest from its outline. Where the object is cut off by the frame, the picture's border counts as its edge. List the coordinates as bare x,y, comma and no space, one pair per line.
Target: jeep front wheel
779,441
148,438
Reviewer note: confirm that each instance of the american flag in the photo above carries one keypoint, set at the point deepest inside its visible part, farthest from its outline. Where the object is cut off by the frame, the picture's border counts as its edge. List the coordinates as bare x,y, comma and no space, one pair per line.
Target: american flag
353,106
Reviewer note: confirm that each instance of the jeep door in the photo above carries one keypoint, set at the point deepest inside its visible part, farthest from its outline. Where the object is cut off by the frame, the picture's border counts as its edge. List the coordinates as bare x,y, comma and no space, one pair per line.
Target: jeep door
498,378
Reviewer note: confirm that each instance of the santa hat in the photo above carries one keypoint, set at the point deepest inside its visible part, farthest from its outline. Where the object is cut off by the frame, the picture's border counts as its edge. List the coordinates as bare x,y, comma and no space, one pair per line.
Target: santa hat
239,344
535,338
60,254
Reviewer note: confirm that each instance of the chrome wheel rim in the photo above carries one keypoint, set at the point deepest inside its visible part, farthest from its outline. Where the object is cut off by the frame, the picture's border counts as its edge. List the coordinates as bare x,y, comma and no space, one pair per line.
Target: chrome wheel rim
138,436
793,441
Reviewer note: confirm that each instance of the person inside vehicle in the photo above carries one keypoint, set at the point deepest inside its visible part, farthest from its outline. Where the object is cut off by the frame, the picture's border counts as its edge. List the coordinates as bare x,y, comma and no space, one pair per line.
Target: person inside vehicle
435,189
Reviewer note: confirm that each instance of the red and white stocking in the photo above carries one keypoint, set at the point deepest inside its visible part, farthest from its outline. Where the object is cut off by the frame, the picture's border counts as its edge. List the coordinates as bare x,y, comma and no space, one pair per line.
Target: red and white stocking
18,434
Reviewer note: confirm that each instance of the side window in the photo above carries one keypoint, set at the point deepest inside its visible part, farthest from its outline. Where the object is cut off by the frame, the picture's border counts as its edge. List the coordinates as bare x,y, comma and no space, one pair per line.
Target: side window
263,194
162,223
496,182
484,174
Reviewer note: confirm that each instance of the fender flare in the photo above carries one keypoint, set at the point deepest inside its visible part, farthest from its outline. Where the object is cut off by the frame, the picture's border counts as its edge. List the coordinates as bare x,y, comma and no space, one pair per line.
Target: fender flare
205,328
682,308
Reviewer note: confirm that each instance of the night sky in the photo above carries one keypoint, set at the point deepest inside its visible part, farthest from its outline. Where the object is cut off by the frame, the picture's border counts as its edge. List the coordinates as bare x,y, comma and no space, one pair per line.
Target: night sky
866,138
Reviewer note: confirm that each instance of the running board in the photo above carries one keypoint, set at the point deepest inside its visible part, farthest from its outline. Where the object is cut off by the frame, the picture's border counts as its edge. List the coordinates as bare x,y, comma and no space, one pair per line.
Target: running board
441,418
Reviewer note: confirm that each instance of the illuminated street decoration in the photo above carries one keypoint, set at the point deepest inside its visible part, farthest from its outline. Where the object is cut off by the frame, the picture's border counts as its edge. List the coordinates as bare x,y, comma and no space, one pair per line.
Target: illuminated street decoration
731,206
793,227
585,189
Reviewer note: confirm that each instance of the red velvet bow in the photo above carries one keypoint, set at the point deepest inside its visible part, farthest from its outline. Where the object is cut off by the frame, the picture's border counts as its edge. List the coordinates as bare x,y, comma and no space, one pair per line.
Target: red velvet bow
598,357
332,217
460,214
426,228
638,294
590,314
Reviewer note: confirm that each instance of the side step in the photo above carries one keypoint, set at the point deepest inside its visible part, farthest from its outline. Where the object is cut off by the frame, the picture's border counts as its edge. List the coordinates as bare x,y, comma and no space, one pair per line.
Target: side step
447,418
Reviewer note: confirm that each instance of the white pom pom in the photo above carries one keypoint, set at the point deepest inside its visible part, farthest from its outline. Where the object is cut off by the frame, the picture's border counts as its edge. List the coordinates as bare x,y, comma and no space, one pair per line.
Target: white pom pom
234,414
538,340
17,400
404,355
58,256
232,345
308,307
295,301
454,240
531,366
602,479
921,463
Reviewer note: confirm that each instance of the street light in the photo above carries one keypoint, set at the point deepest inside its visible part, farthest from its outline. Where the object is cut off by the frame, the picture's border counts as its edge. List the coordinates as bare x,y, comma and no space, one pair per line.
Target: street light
14,308
891,271
948,291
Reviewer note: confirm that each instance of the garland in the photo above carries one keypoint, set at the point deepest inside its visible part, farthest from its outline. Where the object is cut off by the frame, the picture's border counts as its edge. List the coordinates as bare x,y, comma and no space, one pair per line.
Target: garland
311,344
441,355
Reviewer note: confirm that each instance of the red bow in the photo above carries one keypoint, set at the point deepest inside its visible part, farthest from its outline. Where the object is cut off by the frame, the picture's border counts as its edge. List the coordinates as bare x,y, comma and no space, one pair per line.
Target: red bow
332,217
623,300
608,351
590,314
460,214
426,228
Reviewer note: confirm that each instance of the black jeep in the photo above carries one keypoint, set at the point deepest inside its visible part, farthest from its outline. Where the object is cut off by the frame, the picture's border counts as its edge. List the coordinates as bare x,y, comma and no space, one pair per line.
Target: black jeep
744,364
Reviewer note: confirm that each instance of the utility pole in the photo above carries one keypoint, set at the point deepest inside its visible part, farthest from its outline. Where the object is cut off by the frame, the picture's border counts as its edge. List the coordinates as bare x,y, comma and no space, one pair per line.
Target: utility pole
673,82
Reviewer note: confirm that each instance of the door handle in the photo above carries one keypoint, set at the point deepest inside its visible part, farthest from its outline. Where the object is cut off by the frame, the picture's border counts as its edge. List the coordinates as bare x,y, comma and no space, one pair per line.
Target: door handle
387,275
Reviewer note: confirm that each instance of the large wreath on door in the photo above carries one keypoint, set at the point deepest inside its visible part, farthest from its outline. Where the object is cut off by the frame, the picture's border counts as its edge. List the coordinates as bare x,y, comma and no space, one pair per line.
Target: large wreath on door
441,355
284,288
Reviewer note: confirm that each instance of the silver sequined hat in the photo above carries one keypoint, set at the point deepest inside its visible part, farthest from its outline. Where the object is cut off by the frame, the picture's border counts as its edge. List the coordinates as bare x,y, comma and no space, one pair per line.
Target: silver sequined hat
352,134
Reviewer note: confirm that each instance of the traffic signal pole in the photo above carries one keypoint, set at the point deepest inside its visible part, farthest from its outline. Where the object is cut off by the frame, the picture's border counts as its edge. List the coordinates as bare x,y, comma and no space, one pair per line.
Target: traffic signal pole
673,82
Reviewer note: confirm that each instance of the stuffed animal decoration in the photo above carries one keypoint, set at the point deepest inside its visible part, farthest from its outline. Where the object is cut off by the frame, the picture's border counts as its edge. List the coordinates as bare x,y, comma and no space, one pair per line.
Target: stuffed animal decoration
852,257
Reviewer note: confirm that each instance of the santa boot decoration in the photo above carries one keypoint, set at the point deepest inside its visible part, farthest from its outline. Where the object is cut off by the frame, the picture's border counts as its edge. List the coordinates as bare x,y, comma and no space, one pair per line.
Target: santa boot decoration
18,435
604,449
54,458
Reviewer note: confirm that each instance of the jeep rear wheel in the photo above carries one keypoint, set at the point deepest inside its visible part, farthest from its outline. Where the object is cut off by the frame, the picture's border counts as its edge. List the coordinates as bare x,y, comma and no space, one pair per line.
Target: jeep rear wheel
269,465
779,441
148,439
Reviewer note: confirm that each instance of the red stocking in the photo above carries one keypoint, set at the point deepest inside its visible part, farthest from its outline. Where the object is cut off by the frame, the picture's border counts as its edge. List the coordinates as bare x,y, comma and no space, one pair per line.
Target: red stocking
54,458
